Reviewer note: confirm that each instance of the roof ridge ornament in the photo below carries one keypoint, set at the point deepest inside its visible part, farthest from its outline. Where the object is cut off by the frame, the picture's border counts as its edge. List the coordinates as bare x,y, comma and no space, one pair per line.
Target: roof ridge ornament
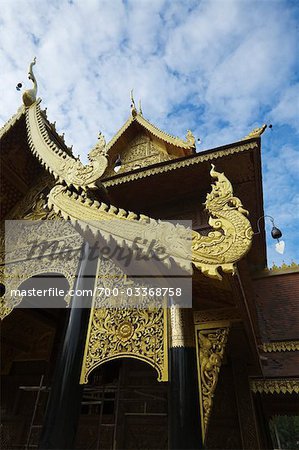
140,109
256,132
190,138
99,148
29,96
133,106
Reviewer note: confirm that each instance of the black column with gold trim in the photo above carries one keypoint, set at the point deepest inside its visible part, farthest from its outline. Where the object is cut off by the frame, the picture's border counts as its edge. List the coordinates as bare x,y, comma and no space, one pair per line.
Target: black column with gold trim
64,404
184,412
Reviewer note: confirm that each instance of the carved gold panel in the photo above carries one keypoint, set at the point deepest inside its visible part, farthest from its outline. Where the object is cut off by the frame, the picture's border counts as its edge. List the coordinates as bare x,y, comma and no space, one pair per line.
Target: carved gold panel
120,327
210,346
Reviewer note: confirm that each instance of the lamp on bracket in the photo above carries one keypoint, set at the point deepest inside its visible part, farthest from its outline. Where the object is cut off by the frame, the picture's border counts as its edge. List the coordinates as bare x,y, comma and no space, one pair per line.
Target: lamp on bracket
275,233
117,164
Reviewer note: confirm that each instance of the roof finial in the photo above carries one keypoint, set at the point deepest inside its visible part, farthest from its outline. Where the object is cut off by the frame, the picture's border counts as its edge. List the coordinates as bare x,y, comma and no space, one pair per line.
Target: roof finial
99,149
190,138
140,109
29,96
133,106
256,132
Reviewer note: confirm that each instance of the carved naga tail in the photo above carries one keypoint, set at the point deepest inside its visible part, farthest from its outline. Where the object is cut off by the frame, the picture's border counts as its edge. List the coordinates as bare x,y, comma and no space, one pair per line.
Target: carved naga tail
229,241
55,159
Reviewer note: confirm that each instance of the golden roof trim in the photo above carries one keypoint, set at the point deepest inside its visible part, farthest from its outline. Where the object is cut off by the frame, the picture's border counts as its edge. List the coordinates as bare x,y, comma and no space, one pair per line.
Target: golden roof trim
176,164
284,269
12,121
55,159
279,346
209,253
173,140
275,386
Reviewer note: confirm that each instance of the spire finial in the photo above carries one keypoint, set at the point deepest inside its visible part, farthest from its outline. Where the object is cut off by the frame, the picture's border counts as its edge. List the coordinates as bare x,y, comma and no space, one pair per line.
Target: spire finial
190,138
133,106
29,96
256,132
140,109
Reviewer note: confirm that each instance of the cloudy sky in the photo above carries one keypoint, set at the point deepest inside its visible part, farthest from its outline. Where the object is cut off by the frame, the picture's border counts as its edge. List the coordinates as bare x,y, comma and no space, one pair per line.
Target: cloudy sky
218,67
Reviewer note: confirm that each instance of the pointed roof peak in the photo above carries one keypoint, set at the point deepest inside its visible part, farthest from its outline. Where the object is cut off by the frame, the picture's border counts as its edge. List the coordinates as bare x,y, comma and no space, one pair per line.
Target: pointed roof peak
133,106
188,144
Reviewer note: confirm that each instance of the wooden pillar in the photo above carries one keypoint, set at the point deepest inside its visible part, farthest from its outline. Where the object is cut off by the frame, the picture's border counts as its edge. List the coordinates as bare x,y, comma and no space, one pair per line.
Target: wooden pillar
184,414
64,404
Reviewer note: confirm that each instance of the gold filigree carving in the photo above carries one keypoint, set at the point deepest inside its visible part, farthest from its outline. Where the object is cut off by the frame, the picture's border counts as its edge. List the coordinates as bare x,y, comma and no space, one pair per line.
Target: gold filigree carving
153,130
210,345
232,235
126,330
283,346
39,210
181,326
56,160
173,165
275,386
141,152
24,206
222,248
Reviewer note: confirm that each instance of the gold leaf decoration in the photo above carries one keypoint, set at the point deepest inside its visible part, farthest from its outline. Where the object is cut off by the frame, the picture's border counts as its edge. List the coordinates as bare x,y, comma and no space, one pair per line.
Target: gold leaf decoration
127,330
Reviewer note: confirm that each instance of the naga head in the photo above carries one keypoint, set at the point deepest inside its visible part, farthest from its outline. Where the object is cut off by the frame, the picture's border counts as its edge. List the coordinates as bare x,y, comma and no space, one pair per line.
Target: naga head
221,197
99,149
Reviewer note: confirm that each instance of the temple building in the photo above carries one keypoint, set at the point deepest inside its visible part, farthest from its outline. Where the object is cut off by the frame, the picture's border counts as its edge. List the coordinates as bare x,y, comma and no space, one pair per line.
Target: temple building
171,332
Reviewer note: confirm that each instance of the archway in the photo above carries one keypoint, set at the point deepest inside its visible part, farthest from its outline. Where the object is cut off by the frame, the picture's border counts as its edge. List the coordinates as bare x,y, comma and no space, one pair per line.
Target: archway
124,407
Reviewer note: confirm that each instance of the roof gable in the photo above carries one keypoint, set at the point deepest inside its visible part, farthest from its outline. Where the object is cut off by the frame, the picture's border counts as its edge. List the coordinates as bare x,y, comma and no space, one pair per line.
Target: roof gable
139,143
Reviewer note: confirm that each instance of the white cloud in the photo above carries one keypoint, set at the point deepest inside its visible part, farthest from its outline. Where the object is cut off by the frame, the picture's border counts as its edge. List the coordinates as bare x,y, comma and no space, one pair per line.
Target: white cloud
287,110
218,67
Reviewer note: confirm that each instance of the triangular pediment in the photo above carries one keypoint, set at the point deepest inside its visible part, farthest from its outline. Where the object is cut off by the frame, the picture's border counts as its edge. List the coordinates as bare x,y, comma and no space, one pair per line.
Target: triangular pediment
140,144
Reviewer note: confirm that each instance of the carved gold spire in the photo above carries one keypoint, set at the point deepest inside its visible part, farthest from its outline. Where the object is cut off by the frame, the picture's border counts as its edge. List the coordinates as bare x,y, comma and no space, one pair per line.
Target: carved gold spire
133,106
190,138
140,109
256,132
29,96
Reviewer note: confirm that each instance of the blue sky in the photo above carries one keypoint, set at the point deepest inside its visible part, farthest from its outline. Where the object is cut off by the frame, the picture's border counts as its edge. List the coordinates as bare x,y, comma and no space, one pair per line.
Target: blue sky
218,67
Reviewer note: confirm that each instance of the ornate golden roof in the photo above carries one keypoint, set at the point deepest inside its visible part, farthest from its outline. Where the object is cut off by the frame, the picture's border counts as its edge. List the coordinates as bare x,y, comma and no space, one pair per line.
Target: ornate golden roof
138,118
